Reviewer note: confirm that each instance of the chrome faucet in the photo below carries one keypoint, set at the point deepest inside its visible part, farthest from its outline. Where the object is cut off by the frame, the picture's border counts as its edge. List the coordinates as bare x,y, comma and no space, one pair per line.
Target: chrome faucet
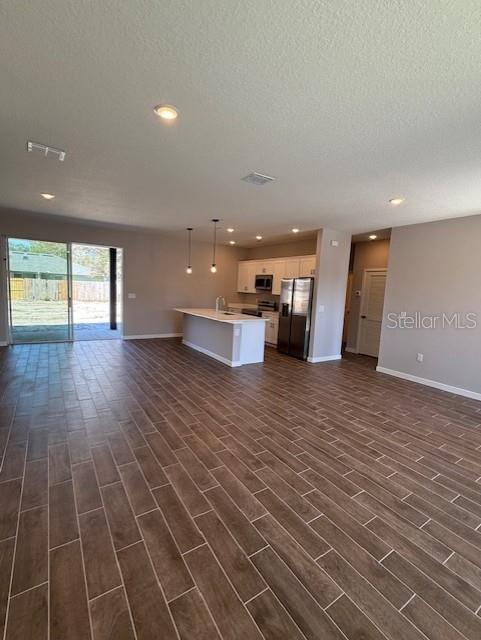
219,303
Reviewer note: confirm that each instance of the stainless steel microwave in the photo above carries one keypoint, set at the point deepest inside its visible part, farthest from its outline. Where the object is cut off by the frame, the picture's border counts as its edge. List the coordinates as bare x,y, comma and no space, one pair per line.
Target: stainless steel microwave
264,283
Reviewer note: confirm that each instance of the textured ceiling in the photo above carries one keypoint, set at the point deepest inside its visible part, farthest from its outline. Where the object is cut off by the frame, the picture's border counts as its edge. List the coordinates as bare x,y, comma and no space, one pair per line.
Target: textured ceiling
346,103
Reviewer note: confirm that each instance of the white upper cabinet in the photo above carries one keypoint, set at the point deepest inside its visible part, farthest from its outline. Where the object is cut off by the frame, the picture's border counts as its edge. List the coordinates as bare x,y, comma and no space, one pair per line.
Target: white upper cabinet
291,268
307,266
277,267
278,273
264,268
246,277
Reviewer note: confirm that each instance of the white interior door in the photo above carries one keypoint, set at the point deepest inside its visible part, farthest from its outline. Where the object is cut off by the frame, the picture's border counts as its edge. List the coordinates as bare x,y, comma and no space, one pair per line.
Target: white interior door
372,304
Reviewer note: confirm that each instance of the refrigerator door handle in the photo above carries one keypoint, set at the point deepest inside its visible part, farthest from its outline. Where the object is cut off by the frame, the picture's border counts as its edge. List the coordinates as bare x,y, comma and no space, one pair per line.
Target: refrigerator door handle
285,310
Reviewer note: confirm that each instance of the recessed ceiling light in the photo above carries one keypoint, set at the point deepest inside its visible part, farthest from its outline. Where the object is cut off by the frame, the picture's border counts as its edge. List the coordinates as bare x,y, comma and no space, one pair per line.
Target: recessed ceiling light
396,201
231,241
258,237
48,196
166,111
295,230
230,230
372,236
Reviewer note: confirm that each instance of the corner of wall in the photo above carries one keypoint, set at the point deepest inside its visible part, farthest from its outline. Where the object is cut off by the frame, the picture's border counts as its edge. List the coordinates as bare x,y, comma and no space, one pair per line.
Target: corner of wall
329,299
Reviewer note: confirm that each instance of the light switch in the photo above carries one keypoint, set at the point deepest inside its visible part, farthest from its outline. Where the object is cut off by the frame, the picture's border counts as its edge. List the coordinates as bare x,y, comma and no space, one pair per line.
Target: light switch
321,308
131,296
334,243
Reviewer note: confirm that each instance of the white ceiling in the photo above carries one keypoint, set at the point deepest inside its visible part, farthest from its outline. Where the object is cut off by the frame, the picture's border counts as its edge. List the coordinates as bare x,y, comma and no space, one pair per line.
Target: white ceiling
346,103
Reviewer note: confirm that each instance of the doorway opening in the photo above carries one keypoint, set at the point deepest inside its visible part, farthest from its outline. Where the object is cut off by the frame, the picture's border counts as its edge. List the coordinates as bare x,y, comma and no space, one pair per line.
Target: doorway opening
370,316
96,292
61,291
365,293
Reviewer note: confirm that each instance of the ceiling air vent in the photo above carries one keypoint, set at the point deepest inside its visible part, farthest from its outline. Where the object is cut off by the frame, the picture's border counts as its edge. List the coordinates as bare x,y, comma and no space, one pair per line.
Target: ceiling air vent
258,178
43,150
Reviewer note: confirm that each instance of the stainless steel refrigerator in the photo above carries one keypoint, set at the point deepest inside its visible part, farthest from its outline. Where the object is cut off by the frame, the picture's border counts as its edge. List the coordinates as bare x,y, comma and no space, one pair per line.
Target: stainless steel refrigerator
295,316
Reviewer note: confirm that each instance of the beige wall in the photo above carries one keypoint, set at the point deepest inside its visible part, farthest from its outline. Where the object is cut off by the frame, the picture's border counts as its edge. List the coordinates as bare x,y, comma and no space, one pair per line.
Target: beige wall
298,248
435,268
367,255
332,268
154,268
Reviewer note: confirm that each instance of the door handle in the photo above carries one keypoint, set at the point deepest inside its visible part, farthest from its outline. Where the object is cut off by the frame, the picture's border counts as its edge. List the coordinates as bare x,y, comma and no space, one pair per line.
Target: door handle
363,317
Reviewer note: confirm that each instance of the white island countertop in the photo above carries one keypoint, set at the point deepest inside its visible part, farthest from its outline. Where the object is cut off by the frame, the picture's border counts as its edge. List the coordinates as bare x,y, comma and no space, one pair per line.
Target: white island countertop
232,338
221,316
242,305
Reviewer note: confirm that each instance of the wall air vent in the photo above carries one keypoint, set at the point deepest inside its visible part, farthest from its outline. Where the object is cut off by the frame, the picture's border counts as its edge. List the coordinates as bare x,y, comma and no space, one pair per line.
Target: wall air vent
47,152
257,178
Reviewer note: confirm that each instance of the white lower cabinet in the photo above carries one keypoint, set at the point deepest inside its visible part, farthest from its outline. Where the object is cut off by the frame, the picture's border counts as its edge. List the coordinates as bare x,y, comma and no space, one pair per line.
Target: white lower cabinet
272,327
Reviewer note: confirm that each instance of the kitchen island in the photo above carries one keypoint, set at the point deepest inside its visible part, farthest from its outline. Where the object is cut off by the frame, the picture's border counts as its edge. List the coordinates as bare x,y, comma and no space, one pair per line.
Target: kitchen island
232,338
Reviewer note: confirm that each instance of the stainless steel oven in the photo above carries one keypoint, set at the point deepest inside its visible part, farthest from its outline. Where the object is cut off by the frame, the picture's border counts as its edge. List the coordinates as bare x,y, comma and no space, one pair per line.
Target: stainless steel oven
264,283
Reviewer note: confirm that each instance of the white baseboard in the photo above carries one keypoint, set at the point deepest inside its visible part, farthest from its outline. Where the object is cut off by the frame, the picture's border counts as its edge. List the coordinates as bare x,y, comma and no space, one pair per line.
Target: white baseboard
351,350
216,356
149,336
324,358
431,383
3,344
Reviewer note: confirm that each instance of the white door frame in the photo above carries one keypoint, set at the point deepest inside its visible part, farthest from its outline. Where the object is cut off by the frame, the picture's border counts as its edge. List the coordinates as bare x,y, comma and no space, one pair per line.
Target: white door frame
363,293
5,288
7,312
6,250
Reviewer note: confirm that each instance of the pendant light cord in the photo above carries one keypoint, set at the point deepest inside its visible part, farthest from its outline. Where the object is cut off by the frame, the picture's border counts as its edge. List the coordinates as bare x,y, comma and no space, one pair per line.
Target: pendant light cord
189,249
215,221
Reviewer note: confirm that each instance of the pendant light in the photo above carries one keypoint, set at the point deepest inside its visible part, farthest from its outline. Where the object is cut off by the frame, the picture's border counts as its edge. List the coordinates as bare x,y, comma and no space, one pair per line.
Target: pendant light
213,268
189,250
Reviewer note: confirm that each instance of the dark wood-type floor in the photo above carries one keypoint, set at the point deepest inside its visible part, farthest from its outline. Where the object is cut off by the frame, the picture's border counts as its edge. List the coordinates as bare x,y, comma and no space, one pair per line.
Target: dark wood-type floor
149,492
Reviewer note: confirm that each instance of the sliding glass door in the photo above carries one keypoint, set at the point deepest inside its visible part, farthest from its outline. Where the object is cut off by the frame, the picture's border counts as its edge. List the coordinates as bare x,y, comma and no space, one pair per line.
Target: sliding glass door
39,279
96,292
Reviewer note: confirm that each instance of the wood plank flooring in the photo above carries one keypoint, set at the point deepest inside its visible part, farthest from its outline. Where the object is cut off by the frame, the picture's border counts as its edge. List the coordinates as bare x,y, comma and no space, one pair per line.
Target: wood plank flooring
149,492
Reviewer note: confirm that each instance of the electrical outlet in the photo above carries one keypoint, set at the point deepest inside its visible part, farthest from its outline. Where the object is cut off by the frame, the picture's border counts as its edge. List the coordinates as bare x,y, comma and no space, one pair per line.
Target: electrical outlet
131,296
420,357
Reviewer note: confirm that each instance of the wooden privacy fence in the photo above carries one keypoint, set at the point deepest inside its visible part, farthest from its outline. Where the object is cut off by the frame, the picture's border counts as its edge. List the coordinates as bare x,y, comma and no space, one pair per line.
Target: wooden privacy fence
17,288
40,289
91,291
